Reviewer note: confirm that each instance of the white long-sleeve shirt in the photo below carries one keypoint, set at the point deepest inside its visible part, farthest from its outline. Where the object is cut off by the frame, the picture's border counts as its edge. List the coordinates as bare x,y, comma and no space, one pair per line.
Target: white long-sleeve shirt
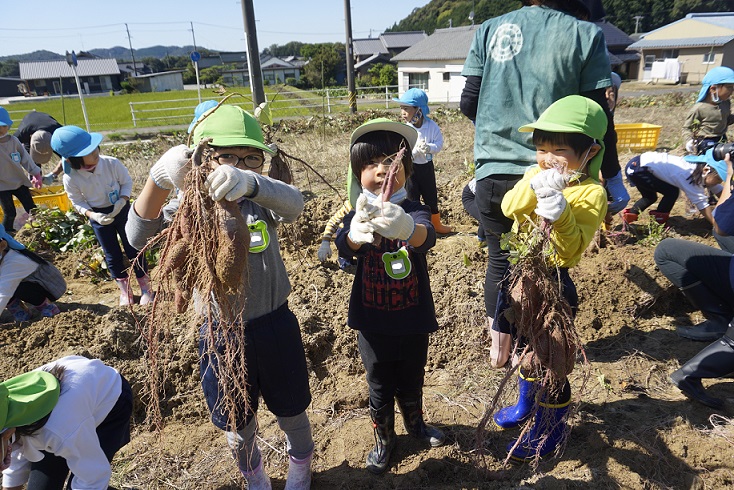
674,170
87,190
89,391
431,134
14,267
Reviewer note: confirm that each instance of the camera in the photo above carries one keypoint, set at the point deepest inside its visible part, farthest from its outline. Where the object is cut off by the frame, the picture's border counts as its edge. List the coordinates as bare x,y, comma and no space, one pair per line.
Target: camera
722,149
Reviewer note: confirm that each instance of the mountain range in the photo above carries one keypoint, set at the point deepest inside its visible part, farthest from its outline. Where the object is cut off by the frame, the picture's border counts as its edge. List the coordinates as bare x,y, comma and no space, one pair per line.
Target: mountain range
117,52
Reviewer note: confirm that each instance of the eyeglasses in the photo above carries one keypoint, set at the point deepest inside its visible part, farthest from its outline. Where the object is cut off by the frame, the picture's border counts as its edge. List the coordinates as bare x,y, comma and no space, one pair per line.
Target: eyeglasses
250,161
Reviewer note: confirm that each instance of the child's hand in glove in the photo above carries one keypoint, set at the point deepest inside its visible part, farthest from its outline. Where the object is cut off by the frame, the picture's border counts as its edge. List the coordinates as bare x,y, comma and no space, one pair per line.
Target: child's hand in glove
170,170
101,218
361,230
551,203
230,183
324,250
394,222
421,148
550,178
119,204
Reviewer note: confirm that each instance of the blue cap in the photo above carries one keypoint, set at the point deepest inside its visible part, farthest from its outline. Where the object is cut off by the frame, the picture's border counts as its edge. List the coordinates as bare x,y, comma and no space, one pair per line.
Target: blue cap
5,118
415,97
200,110
12,242
708,159
717,76
73,141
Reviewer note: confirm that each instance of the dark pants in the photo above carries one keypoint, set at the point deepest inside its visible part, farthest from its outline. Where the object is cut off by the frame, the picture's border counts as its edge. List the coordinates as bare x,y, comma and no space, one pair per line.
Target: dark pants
422,183
468,199
685,263
490,191
32,293
107,238
275,366
649,186
394,364
23,194
113,433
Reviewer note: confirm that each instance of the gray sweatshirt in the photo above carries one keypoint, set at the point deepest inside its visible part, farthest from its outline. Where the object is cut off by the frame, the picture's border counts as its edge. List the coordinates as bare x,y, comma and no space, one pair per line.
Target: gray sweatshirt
274,202
15,164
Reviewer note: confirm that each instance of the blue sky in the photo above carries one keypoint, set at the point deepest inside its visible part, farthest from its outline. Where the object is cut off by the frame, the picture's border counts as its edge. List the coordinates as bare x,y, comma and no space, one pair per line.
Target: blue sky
218,24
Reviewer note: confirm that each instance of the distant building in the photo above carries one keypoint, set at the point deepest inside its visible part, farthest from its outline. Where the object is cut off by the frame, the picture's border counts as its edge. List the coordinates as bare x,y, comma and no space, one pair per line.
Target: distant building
57,77
370,51
694,44
274,70
160,82
126,68
435,63
9,87
625,63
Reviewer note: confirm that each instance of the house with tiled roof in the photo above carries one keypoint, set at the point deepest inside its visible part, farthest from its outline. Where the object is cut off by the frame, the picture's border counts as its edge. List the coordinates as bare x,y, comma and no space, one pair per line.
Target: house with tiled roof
435,63
370,51
97,75
698,42
624,62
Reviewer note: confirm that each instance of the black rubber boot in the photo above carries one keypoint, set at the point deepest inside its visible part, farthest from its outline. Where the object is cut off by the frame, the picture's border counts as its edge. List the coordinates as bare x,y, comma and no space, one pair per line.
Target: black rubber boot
714,361
383,421
718,314
412,411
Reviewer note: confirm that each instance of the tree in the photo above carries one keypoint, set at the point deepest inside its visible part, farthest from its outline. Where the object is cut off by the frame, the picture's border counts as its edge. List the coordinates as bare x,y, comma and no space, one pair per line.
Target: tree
383,74
325,61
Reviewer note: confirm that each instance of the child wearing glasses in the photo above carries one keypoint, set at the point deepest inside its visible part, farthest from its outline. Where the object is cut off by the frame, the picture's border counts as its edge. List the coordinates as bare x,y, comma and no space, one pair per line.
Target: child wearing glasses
275,357
99,188
710,116
391,304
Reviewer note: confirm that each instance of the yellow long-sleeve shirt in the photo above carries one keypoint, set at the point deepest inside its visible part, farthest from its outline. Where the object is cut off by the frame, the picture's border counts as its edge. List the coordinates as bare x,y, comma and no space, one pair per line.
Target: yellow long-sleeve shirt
572,232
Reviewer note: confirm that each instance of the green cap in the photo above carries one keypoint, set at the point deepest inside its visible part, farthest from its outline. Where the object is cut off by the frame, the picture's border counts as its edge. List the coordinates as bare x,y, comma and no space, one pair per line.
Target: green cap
354,186
575,114
230,125
27,398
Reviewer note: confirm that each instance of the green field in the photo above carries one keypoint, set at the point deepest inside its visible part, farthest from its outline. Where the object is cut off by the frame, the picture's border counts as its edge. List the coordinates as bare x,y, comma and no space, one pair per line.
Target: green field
176,108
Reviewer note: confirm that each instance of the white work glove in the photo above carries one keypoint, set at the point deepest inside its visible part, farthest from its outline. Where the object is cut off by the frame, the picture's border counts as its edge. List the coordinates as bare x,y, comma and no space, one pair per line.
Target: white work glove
421,148
49,179
170,170
550,178
394,222
551,204
230,183
361,230
691,146
101,218
119,204
324,250
37,180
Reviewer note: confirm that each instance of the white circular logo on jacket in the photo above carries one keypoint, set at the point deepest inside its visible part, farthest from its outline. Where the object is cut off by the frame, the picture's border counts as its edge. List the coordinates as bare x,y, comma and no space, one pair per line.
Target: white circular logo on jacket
506,42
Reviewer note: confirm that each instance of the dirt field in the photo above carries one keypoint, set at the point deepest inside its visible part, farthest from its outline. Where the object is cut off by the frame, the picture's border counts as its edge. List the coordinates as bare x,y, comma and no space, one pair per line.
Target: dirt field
632,429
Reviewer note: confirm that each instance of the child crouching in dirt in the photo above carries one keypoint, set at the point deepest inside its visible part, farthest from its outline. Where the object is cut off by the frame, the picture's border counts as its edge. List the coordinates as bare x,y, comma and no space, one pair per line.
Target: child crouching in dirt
99,187
391,304
275,360
563,190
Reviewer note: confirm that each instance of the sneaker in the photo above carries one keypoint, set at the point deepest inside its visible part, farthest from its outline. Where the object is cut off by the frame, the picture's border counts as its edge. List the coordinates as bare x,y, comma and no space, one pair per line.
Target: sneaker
482,242
18,310
47,309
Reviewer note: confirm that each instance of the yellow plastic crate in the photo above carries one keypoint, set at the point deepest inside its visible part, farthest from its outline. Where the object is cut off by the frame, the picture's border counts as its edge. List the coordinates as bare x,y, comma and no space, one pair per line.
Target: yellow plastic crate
46,197
637,136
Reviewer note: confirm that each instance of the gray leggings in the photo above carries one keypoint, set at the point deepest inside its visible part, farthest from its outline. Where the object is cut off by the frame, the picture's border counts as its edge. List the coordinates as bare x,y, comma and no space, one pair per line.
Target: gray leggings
685,263
297,434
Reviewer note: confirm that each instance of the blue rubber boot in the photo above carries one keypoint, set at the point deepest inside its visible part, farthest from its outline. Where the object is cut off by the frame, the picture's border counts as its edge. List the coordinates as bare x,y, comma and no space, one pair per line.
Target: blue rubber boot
547,433
511,417
383,421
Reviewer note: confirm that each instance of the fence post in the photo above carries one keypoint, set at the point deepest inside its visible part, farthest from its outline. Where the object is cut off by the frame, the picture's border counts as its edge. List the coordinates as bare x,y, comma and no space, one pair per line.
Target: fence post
387,96
328,102
132,112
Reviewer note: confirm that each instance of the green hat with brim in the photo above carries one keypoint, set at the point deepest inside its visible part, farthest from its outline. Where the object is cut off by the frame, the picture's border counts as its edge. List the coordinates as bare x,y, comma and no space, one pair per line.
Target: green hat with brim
575,114
354,187
27,398
229,125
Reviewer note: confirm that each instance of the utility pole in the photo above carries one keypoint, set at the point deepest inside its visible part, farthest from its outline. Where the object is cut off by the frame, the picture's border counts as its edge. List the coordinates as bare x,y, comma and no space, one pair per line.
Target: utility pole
253,54
192,35
638,18
132,53
350,58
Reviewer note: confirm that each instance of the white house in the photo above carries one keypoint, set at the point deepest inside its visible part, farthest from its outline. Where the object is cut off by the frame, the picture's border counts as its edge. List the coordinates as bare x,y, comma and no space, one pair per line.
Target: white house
435,63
